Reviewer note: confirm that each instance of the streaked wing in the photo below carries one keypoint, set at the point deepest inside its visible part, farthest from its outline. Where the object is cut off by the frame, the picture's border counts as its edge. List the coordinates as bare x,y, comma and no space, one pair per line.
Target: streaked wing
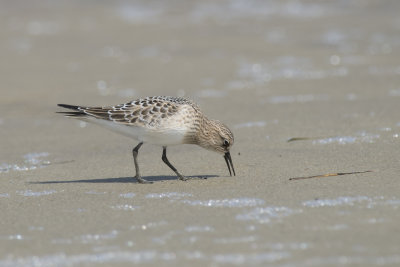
148,111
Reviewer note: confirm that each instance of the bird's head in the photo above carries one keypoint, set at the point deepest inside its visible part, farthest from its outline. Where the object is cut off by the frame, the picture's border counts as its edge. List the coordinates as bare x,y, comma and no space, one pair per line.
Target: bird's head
217,137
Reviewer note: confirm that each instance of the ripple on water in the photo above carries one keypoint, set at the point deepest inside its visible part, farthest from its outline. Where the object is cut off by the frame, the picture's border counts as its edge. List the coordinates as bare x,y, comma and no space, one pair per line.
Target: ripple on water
127,195
95,193
199,229
252,74
94,258
13,237
225,11
92,238
297,98
288,246
170,195
149,225
231,203
125,207
32,161
30,193
250,258
266,214
369,202
335,202
235,240
365,260
136,13
362,137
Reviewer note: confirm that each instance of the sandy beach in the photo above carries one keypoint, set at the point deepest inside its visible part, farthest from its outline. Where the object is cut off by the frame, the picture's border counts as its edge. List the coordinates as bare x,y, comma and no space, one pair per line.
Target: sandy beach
325,74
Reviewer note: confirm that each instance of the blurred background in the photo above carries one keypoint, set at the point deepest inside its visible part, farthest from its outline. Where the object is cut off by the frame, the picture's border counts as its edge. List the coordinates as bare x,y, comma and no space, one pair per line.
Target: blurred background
272,70
250,54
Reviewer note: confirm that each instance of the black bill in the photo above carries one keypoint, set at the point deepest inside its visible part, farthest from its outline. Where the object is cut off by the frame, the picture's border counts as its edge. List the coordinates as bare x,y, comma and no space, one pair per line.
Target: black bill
229,163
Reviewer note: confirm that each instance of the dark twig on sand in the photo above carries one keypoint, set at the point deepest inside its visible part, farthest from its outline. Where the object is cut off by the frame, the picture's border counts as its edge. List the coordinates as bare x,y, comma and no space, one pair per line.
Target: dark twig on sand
327,175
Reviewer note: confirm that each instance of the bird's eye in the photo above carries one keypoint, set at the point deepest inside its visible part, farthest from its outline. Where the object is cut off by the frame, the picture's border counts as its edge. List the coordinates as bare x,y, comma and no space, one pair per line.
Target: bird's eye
226,143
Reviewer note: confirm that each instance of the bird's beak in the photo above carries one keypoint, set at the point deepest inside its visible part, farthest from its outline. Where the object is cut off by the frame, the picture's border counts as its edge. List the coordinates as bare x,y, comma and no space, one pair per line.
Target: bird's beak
228,161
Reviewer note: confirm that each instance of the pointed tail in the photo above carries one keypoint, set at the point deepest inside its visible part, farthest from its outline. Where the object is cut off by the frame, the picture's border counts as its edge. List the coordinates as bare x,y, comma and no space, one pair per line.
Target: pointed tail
77,113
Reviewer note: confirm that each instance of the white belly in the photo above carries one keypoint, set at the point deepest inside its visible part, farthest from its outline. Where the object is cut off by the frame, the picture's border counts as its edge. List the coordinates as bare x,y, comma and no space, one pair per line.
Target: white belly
163,137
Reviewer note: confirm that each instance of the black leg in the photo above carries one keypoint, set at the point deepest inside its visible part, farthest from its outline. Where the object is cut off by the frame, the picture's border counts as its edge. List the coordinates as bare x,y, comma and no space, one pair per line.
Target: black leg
135,153
166,161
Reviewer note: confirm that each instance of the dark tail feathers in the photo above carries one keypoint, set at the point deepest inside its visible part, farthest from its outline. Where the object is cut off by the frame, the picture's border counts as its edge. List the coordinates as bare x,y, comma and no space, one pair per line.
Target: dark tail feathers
78,112
68,106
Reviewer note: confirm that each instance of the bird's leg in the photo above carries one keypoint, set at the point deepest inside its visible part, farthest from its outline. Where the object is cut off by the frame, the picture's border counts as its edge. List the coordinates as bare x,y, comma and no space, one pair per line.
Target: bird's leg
135,153
166,161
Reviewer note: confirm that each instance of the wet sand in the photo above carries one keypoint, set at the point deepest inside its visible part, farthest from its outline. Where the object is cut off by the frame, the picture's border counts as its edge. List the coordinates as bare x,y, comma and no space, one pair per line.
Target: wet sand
327,72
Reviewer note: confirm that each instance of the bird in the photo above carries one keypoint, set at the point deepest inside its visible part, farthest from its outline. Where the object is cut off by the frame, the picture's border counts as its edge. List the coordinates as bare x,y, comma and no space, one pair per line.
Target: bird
160,120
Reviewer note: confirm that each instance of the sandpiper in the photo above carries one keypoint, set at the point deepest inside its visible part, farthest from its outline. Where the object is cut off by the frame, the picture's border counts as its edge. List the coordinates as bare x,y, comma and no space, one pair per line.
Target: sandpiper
160,120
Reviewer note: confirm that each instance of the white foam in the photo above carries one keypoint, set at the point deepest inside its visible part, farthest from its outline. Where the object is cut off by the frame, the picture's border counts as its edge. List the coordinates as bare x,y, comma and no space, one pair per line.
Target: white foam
95,193
149,225
338,227
288,246
362,137
259,73
297,98
92,238
335,202
30,193
137,257
368,202
170,195
35,158
195,255
199,229
375,220
226,11
164,238
88,238
385,129
395,202
258,258
235,240
136,13
32,162
13,237
128,195
365,260
231,203
126,207
266,214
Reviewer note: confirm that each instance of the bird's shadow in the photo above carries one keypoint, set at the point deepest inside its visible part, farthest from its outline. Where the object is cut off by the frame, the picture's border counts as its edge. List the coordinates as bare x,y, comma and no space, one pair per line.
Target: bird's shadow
123,179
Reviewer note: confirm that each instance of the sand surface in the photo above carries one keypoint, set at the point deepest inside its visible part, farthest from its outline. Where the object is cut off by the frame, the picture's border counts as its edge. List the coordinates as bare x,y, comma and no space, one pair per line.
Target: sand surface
326,71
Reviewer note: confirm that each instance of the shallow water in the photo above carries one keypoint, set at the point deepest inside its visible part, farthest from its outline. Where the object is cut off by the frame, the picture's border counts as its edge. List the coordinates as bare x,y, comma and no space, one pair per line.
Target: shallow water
252,215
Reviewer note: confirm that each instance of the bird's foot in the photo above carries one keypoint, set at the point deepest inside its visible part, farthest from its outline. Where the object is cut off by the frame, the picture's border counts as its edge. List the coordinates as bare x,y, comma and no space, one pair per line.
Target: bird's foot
183,178
142,181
